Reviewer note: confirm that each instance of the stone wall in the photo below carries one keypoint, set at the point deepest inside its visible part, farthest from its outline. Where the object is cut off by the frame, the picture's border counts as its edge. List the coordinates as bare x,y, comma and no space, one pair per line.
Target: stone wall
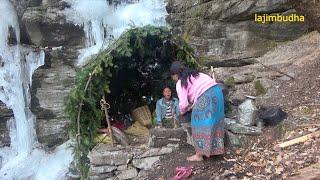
132,162
123,163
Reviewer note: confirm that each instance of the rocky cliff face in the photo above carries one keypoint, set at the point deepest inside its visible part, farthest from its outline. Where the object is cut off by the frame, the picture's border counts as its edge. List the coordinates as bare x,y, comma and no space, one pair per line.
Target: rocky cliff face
43,25
311,9
226,36
46,26
225,29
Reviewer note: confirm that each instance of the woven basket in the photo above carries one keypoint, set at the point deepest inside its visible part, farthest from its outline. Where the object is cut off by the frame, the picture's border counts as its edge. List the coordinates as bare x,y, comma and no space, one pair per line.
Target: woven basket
143,115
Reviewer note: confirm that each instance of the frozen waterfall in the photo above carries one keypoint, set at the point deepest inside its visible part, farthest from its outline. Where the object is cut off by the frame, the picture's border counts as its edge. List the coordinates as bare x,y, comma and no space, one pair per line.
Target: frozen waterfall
13,75
22,160
103,22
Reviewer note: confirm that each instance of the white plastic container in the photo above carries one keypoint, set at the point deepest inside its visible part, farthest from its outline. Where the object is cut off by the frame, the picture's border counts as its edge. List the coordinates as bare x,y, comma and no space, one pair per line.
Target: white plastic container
247,112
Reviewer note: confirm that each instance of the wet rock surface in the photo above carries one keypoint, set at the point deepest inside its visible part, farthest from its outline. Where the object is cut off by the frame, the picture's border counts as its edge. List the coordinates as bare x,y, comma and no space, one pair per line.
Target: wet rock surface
49,27
5,115
45,26
51,84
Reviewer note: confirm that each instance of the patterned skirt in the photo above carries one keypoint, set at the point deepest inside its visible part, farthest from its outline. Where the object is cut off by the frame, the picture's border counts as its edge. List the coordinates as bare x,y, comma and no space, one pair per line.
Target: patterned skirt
207,122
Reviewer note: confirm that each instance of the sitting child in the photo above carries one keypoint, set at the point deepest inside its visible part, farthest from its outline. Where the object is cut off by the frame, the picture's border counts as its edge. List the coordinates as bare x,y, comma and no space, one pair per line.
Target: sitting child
167,109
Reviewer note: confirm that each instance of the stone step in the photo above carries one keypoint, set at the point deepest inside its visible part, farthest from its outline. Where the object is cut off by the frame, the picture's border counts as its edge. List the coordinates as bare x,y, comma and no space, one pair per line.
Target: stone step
237,128
160,137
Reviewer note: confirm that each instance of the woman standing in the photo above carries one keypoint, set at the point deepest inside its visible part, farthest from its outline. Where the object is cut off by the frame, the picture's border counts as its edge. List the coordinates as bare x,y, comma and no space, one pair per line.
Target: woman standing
201,93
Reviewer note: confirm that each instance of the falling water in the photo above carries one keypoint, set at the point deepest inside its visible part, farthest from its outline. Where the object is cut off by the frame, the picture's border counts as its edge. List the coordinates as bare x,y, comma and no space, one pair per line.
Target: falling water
22,160
15,80
103,22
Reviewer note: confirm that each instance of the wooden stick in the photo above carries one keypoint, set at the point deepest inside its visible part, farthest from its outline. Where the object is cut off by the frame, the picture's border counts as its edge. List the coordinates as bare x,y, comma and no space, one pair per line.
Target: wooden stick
212,73
107,119
78,136
311,172
296,140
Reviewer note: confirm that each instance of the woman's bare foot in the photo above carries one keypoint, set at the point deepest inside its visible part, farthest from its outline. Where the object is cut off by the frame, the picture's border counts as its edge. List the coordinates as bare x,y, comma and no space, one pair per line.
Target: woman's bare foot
195,157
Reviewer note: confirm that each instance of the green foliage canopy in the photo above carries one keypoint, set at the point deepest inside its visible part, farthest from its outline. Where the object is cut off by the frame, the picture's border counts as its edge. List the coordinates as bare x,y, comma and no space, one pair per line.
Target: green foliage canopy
136,65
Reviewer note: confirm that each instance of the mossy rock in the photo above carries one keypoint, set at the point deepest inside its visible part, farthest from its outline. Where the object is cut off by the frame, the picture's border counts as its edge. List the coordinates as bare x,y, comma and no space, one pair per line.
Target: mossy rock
260,90
230,82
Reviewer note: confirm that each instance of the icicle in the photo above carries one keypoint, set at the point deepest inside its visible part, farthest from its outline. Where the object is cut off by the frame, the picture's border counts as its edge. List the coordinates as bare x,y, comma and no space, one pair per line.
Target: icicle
102,22
21,160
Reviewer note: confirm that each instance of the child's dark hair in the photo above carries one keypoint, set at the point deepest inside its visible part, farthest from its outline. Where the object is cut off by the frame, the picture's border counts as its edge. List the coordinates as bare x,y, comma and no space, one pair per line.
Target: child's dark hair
183,72
166,86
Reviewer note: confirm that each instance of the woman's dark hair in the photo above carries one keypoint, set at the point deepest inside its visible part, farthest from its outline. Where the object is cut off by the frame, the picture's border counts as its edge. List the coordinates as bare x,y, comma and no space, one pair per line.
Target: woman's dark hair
184,73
